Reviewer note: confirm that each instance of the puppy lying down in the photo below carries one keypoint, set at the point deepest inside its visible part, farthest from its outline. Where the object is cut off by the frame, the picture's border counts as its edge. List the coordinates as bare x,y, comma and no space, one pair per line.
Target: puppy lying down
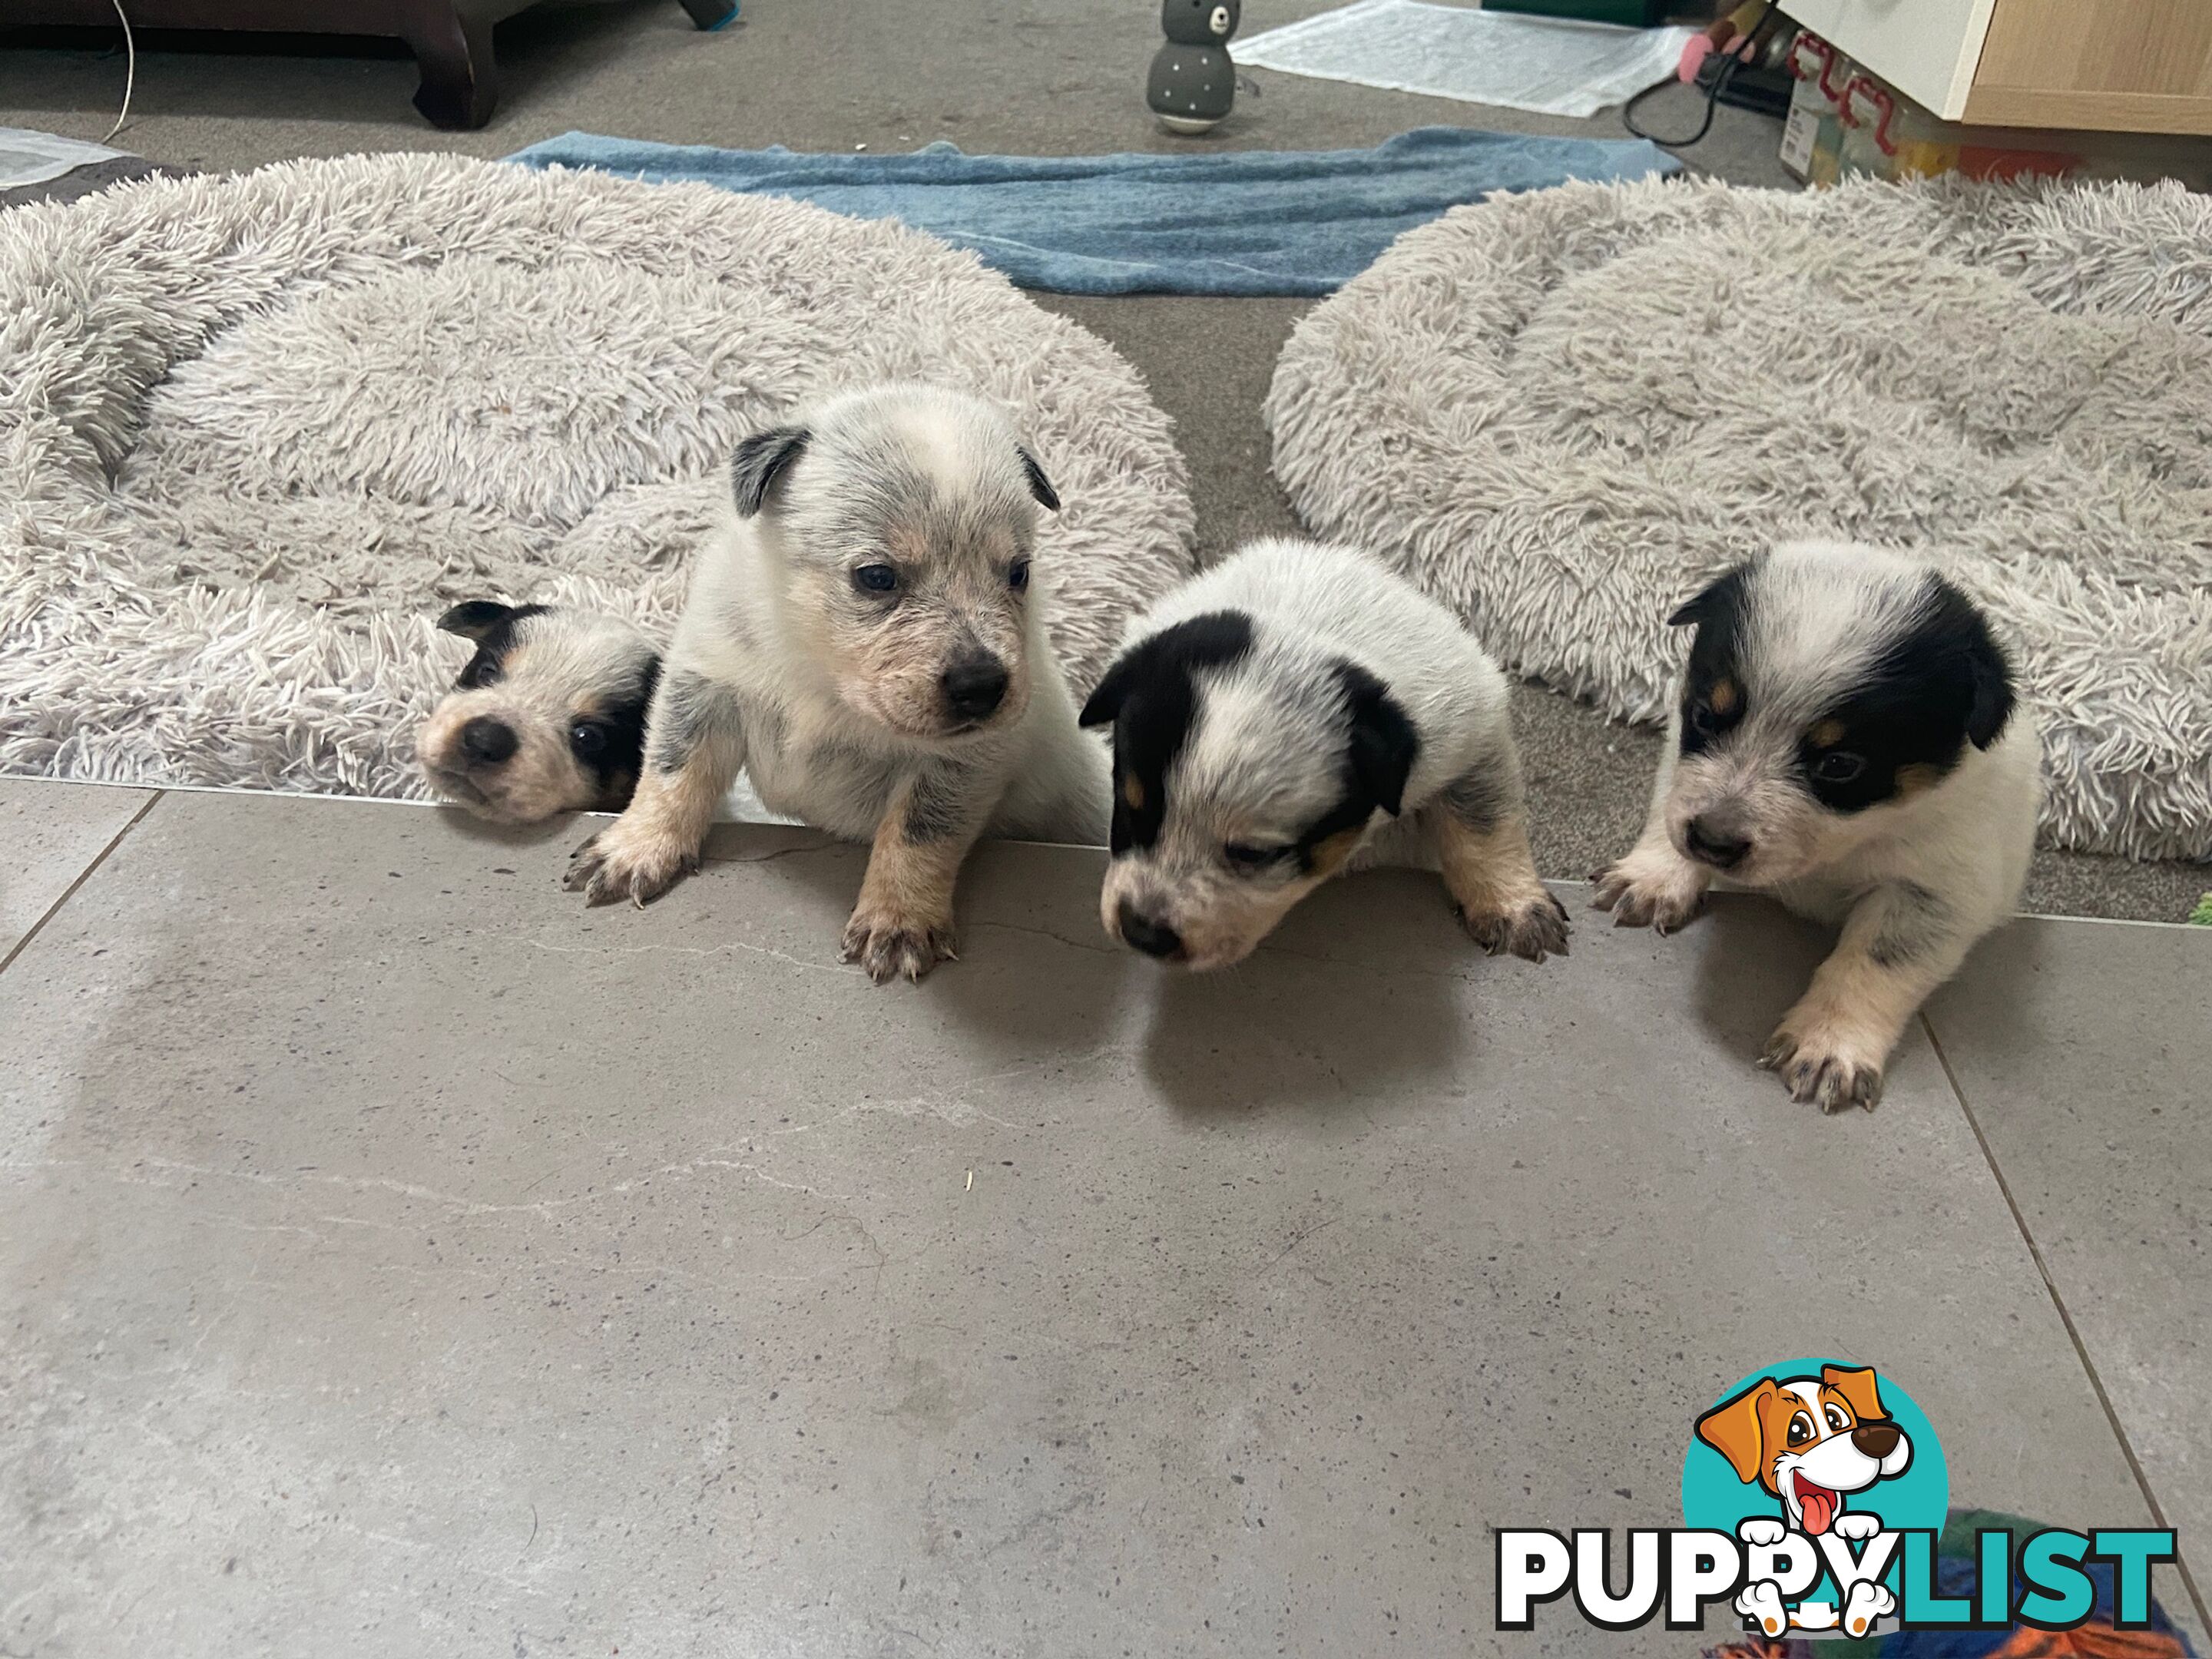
865,638
546,717
1846,739
1294,709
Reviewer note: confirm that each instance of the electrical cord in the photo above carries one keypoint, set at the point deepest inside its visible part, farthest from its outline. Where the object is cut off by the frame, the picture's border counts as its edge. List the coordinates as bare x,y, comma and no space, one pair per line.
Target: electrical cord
1718,85
129,72
1713,101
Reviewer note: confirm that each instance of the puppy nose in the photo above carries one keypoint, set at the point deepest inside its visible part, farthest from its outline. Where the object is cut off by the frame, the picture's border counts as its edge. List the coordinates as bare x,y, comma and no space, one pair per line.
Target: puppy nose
1153,938
1876,1440
1715,846
975,686
487,742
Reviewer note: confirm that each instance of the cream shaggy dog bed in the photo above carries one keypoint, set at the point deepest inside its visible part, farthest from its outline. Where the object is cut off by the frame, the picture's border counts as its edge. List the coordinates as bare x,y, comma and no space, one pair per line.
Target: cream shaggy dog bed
1564,411
257,432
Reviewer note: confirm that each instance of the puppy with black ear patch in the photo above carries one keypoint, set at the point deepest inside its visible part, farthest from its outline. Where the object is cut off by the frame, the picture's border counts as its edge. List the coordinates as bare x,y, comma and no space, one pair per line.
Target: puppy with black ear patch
866,639
1294,707
1846,738
546,717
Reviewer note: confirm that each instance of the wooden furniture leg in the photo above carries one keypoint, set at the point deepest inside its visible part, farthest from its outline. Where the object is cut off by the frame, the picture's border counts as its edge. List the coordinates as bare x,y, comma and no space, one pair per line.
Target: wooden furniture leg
460,79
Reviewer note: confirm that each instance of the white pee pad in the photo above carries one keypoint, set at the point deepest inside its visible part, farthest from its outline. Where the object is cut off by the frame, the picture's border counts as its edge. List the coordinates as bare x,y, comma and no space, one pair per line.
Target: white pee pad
31,158
1555,66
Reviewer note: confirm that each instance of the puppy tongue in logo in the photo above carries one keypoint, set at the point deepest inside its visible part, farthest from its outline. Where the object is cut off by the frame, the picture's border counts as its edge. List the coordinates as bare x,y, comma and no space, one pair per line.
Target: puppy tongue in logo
1820,1505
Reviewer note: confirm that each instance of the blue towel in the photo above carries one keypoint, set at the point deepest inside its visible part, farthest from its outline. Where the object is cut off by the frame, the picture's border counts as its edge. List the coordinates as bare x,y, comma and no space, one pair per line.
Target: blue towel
1237,222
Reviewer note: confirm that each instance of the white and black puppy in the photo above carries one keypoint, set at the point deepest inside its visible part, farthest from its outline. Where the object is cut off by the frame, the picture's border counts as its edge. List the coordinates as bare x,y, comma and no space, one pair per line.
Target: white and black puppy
1846,739
1268,716
866,639
546,717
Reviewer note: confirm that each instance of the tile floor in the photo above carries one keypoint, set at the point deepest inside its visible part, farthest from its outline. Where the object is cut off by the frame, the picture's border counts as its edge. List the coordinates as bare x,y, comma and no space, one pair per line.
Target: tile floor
400,1259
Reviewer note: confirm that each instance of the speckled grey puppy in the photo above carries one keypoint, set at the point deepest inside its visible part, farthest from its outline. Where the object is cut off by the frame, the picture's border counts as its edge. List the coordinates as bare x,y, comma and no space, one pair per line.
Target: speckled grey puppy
865,639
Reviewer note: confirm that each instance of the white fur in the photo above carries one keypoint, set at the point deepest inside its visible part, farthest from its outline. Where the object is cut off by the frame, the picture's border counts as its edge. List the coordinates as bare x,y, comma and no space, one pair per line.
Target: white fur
1957,852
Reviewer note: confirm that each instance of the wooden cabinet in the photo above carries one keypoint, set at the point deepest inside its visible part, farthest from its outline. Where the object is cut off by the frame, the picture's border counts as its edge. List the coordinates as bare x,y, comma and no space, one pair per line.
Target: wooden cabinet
2112,65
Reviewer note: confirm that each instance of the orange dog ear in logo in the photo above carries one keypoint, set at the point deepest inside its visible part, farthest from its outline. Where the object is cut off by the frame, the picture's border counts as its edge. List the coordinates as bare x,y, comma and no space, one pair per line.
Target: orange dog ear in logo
1857,1389
1732,1429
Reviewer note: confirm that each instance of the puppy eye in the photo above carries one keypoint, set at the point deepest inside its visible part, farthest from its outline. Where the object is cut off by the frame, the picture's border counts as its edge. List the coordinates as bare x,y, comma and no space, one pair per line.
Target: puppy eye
1838,767
1245,858
585,740
480,672
875,579
1703,720
1018,575
1836,1420
1801,1430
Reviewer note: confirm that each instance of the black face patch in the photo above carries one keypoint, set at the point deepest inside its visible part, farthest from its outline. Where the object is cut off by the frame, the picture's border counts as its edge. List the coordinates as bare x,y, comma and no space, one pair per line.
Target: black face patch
608,744
494,634
1941,686
1713,695
1150,696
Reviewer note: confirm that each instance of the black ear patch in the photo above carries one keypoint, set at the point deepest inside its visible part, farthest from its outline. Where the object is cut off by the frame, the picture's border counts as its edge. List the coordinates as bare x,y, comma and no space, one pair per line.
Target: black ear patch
1150,696
1714,695
761,460
474,618
1988,669
1040,486
1942,684
1384,745
1723,598
492,626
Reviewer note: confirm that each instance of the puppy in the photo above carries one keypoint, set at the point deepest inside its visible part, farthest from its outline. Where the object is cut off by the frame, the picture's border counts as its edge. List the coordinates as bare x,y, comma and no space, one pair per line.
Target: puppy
548,716
1268,715
1846,739
1811,1442
867,639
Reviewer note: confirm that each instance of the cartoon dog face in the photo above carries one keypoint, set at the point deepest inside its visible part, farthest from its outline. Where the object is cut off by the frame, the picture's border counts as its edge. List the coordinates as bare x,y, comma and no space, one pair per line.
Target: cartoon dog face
1809,1441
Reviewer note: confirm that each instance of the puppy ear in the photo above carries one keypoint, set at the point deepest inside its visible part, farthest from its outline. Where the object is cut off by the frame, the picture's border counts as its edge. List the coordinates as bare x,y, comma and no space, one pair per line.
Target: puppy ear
1040,486
1857,1387
1384,745
1992,671
1103,706
1724,595
474,618
761,460
1733,1429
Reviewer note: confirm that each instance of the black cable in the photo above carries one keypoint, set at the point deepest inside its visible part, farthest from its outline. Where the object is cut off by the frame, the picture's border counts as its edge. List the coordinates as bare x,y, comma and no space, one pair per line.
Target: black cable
1713,101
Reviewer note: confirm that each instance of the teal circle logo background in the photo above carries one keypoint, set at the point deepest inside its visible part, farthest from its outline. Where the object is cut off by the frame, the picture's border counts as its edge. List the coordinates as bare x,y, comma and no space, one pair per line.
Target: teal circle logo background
1920,1497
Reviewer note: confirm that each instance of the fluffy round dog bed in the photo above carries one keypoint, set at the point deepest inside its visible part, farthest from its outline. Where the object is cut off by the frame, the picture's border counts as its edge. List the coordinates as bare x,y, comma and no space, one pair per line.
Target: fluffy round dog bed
1566,410
257,432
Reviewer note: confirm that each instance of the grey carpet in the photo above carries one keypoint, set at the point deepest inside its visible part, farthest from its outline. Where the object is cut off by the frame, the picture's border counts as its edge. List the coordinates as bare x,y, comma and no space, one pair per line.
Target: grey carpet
1066,77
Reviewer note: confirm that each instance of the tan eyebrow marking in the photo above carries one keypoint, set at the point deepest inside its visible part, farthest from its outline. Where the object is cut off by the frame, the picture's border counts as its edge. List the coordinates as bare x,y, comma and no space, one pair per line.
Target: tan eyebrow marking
1722,696
1826,735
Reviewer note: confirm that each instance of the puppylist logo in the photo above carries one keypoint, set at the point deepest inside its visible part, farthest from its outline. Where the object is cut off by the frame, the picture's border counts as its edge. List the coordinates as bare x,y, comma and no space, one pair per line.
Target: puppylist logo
1814,1495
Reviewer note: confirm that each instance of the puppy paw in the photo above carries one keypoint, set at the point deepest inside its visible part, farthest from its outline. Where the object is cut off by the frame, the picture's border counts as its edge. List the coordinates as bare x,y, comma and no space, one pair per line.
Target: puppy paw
1855,1524
889,945
1759,1529
1761,1604
1647,889
623,862
1824,1064
1532,927
1865,1603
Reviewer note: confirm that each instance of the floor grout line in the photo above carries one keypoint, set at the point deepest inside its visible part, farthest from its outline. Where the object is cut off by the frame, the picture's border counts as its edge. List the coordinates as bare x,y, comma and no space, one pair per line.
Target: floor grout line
2066,1318
82,877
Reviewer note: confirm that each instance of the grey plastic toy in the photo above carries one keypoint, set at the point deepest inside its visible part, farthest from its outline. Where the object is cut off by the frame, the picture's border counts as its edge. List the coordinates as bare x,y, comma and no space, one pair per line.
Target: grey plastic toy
1193,82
